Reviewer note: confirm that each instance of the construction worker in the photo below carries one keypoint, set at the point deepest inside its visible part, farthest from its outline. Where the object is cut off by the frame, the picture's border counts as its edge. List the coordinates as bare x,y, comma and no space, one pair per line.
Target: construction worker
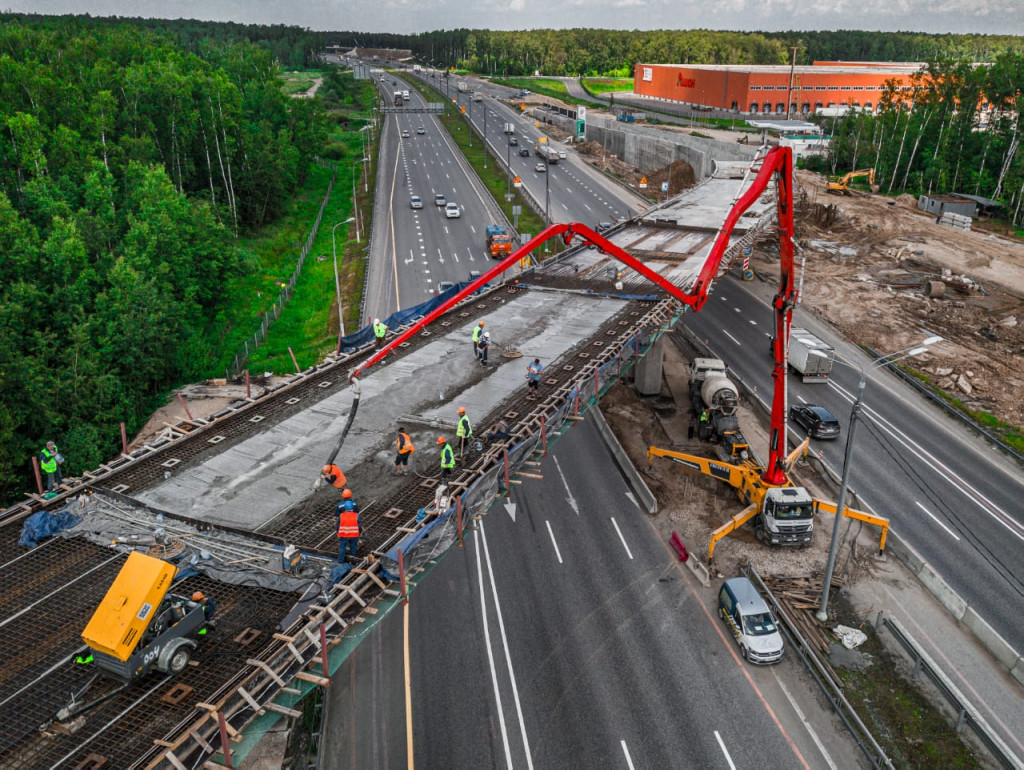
346,504
209,606
405,448
50,461
533,374
481,347
332,475
380,331
497,432
348,530
447,457
478,330
464,430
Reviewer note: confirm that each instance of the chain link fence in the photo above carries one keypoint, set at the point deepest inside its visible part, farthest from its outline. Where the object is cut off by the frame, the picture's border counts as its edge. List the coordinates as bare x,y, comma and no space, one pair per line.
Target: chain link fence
267,318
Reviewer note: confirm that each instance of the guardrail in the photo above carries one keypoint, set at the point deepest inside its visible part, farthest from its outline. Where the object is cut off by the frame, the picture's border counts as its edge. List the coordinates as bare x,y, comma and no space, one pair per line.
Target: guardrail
966,713
822,675
949,409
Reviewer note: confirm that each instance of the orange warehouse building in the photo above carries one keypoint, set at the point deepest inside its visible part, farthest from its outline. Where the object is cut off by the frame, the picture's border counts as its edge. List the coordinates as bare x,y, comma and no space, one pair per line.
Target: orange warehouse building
765,89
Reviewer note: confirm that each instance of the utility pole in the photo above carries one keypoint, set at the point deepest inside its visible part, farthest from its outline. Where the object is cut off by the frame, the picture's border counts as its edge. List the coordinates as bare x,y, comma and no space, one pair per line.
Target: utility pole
789,93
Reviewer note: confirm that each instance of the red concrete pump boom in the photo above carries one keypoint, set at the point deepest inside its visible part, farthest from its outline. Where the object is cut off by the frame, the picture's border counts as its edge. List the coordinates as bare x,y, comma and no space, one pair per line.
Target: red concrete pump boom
778,162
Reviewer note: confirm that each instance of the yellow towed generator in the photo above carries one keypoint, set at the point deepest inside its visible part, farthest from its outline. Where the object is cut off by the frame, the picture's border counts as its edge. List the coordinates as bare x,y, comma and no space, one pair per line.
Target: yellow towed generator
137,627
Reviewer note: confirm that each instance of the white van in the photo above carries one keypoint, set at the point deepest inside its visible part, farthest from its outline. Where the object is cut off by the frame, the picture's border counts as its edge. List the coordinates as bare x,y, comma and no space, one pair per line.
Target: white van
751,622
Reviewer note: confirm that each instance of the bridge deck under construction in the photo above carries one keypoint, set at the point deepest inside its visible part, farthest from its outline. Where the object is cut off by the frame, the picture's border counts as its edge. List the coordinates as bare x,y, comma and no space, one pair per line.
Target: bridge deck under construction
48,593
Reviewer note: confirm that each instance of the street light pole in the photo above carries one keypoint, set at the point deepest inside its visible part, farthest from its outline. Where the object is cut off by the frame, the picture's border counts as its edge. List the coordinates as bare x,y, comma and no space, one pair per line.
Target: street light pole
337,280
880,363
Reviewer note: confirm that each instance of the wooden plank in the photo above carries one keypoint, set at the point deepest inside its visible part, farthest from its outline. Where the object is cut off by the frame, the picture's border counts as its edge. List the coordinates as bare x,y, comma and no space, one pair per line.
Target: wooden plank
270,672
286,711
250,700
322,681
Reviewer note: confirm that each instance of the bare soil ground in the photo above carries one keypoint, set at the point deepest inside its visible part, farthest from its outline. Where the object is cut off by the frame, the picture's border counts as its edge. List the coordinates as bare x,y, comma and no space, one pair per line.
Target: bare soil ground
868,258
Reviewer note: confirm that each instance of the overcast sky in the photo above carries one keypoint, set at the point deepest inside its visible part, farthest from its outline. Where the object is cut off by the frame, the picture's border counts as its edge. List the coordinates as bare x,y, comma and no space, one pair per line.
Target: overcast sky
404,16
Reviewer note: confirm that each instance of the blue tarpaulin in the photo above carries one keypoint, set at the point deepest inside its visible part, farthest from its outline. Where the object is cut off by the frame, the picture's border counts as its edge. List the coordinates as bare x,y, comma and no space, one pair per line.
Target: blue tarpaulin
402,317
44,524
389,561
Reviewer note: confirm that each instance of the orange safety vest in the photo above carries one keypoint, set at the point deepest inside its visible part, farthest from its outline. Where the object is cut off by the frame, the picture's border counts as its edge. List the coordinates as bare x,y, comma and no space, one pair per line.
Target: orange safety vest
404,444
348,524
335,477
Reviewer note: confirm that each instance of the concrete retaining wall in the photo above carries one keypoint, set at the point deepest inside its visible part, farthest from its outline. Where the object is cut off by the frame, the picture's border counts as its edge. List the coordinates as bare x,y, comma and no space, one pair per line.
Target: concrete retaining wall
643,492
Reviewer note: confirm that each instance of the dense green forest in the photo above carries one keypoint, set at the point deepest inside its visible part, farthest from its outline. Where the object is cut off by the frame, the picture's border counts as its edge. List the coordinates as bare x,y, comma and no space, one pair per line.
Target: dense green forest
609,52
128,166
929,144
290,46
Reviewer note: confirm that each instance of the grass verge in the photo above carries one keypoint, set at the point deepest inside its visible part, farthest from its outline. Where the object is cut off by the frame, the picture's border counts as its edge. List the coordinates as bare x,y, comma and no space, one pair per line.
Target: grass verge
604,85
308,324
553,88
913,733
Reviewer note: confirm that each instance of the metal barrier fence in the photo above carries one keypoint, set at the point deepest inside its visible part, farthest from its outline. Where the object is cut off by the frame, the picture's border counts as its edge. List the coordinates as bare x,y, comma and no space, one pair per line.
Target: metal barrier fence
267,318
832,689
965,711
317,644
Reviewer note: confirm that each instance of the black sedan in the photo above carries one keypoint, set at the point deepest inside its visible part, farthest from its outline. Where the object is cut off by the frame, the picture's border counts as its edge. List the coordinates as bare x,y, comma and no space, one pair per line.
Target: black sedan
818,421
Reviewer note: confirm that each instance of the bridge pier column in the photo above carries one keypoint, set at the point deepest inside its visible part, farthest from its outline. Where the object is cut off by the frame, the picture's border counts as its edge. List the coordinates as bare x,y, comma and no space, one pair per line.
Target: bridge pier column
647,378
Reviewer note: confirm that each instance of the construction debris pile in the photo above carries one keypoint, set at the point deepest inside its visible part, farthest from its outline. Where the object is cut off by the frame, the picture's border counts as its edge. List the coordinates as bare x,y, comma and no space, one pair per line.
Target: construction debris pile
880,270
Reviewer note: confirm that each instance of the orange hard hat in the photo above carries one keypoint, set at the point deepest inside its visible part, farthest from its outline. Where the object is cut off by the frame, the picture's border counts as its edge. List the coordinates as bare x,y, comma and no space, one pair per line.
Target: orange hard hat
198,596
440,440
462,410
347,494
482,323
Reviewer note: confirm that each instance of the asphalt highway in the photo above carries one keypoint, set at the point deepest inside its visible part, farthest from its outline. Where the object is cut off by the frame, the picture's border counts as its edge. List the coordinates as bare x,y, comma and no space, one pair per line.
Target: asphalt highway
948,493
570,636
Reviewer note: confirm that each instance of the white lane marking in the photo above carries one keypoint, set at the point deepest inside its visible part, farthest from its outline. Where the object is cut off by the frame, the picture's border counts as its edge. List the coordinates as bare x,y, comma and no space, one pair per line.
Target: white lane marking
490,659
411,257
936,520
933,462
731,337
616,525
456,256
725,751
572,500
799,713
508,657
625,750
554,543
752,323
440,257
802,399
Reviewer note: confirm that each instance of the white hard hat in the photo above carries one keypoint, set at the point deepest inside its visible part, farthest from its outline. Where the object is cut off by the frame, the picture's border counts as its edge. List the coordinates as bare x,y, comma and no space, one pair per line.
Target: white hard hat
376,320
487,335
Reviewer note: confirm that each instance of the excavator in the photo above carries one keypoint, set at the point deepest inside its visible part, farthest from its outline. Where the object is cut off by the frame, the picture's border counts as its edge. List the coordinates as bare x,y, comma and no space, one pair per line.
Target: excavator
841,186
772,499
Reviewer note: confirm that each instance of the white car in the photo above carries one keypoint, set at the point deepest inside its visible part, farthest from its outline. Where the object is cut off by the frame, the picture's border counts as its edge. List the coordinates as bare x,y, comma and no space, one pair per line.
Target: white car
561,154
416,202
541,168
451,211
405,133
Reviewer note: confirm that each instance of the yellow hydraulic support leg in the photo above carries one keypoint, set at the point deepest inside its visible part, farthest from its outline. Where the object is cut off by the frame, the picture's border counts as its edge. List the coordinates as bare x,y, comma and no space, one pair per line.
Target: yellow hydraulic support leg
734,523
853,513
